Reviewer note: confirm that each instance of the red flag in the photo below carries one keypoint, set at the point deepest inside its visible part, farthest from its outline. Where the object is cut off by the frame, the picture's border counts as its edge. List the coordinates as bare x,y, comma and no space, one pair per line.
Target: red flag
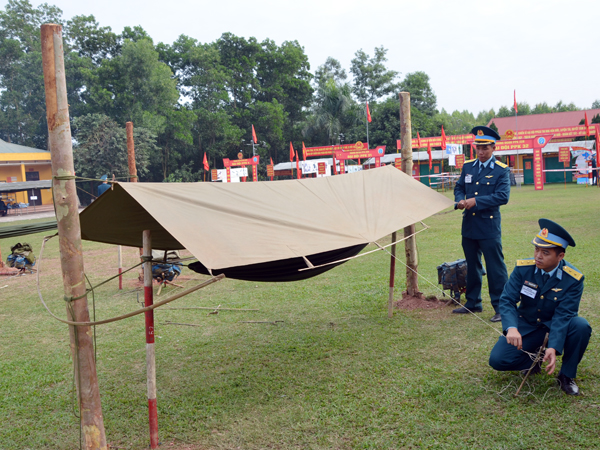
271,161
429,153
298,174
303,151
587,126
368,113
443,139
206,166
254,135
516,109
418,139
291,152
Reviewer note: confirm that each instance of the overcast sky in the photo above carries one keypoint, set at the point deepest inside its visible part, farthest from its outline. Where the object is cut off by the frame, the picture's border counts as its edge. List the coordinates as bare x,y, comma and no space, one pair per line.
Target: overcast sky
476,52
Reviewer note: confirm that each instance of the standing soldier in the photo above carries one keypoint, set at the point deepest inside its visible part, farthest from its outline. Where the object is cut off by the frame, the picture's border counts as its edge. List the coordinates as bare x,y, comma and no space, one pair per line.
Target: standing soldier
483,186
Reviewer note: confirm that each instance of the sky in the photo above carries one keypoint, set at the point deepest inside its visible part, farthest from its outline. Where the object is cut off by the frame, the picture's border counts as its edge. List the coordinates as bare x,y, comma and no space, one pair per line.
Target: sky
476,53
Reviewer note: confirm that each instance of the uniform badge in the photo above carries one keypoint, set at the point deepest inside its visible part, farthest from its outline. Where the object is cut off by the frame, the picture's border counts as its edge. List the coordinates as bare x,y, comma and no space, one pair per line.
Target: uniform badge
544,233
530,284
489,176
556,289
480,133
468,178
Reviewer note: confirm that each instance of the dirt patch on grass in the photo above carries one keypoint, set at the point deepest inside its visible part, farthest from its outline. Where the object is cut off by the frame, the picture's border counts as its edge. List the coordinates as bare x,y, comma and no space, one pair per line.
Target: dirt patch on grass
419,301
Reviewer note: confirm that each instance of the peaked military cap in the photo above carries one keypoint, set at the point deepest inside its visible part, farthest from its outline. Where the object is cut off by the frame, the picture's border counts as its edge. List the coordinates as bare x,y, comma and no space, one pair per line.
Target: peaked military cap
103,177
485,135
552,235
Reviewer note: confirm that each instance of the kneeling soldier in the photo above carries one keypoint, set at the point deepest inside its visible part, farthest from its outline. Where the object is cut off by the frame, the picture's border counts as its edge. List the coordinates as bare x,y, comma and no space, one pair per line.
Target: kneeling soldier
549,291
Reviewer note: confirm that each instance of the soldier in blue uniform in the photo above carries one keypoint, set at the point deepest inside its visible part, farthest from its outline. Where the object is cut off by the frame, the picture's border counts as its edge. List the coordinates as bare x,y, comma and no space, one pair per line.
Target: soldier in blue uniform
483,186
549,291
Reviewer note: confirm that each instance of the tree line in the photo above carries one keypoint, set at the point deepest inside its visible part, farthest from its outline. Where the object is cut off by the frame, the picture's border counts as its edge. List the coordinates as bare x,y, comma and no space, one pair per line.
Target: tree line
189,98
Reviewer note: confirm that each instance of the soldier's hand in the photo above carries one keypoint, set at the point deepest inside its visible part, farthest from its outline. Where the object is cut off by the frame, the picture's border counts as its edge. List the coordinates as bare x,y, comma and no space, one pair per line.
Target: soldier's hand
550,357
461,204
470,203
513,337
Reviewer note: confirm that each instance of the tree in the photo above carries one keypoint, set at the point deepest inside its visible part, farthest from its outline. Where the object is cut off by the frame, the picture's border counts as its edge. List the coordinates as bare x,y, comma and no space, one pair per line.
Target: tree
335,115
101,148
22,95
422,96
596,104
134,86
371,79
541,108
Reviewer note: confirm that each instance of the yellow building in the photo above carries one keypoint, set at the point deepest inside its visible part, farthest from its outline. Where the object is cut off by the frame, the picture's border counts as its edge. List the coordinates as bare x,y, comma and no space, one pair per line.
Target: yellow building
20,163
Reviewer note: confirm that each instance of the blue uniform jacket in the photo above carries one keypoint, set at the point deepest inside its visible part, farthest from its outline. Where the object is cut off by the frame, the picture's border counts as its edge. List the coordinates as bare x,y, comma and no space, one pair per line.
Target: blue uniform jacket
491,188
552,304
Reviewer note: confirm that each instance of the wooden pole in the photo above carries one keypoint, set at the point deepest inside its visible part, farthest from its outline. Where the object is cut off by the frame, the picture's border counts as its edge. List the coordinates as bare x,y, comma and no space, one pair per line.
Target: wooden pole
410,244
392,277
150,359
133,178
64,192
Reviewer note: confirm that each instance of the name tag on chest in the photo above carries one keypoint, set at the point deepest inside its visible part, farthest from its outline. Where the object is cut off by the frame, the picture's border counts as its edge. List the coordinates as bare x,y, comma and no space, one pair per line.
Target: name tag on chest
529,292
468,178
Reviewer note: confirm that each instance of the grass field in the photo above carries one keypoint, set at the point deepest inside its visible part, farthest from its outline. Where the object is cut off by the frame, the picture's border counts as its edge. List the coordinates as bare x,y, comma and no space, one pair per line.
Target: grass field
332,373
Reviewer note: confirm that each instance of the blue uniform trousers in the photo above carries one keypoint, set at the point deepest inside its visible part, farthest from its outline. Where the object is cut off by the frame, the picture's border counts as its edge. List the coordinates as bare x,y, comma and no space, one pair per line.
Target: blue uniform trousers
495,267
506,357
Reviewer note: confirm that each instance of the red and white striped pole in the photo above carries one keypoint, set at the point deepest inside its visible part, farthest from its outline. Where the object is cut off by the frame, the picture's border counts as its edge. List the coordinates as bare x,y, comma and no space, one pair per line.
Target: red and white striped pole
150,359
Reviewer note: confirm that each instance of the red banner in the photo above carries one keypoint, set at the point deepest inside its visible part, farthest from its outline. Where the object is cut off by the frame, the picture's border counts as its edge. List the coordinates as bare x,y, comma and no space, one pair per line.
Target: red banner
436,141
214,175
538,175
559,132
330,149
363,154
241,162
322,168
564,154
460,161
270,172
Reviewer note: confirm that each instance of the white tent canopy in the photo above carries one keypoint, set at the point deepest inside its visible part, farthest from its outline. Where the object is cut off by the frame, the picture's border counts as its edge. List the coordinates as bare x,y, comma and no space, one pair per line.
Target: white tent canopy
226,225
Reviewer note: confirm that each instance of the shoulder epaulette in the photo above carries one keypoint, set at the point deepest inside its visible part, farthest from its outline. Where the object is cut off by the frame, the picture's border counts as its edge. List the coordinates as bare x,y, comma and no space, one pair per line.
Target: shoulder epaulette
501,164
470,160
573,272
525,262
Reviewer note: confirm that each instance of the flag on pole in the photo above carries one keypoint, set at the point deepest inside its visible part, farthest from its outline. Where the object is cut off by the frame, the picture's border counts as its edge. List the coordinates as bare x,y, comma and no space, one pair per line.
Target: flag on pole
291,152
429,153
271,161
587,126
206,166
418,139
298,174
516,109
368,113
254,135
443,139
303,151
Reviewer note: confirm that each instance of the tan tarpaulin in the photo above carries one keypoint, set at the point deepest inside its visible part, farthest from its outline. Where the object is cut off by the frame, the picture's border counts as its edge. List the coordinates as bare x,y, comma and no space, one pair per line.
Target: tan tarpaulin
237,224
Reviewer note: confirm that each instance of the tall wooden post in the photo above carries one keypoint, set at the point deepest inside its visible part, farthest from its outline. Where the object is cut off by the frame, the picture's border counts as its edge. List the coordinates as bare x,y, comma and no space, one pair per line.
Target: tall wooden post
69,231
150,358
410,244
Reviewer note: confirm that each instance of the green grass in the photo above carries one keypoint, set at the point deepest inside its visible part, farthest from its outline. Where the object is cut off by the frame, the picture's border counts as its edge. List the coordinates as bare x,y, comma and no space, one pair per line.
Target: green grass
335,374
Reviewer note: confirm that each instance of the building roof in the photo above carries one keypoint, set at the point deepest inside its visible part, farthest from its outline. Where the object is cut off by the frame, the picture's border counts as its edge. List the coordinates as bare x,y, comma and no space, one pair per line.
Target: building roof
7,147
536,121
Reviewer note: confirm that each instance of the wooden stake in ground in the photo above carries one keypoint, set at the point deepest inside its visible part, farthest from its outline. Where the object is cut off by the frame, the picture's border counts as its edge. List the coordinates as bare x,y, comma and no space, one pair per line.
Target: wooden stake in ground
410,244
64,192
